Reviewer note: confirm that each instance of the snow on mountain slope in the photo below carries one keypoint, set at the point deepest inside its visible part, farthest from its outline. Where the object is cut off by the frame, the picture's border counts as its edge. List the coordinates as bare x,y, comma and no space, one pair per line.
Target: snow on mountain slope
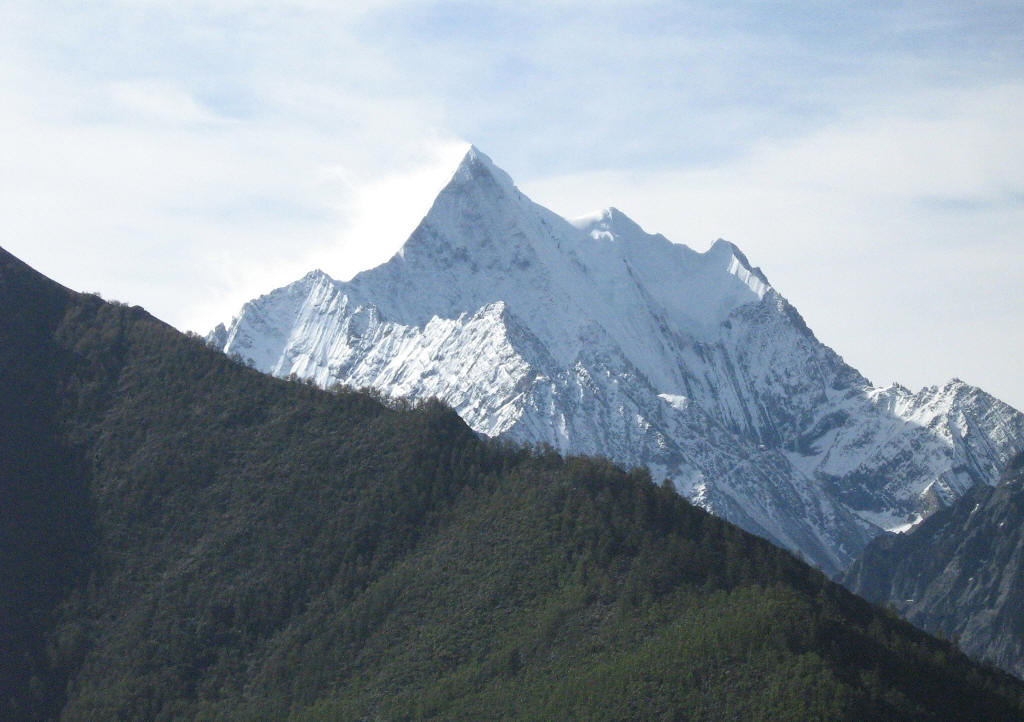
597,337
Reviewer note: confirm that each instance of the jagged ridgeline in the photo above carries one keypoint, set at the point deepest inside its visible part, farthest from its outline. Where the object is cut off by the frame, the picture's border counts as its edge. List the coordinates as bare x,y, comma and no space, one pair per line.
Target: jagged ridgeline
598,338
184,537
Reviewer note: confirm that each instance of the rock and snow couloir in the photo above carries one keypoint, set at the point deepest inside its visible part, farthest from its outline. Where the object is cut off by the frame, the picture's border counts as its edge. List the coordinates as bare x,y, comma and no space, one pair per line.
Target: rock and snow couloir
597,337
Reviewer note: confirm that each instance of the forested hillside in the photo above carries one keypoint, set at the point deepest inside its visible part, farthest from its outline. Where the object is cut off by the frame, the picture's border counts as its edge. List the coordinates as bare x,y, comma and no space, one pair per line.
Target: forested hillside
183,537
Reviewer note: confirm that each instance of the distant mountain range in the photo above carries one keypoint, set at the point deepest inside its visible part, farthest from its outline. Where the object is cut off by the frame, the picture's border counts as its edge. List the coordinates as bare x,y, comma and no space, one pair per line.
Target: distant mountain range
593,336
182,537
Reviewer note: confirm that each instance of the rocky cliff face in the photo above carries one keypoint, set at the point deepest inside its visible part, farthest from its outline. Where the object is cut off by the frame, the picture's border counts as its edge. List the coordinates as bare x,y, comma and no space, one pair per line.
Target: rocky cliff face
597,337
960,573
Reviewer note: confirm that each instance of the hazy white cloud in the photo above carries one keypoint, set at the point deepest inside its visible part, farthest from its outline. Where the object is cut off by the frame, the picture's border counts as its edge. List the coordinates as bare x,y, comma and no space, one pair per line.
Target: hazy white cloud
381,211
159,103
163,202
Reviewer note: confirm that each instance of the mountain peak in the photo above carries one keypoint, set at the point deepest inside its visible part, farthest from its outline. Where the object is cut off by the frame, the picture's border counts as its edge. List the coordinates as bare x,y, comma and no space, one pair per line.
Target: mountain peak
477,168
609,223
316,275
740,266
472,214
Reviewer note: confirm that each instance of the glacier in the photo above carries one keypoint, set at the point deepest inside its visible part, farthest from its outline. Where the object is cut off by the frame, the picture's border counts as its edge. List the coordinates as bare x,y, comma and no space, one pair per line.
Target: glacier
596,337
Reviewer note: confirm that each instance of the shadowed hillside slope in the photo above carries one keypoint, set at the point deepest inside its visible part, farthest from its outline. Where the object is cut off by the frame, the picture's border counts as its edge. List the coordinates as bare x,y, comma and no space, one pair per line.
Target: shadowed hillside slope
960,573
186,538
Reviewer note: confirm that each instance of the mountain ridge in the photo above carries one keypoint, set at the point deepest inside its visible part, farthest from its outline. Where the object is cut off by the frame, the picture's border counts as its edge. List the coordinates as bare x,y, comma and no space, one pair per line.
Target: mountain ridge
186,538
653,354
960,573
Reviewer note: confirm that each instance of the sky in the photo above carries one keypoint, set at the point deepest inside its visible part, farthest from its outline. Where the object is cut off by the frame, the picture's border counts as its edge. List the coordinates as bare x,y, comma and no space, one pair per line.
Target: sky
869,156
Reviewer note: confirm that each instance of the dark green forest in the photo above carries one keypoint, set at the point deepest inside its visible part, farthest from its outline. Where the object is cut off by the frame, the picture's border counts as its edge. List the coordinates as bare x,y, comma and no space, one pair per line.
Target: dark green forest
184,538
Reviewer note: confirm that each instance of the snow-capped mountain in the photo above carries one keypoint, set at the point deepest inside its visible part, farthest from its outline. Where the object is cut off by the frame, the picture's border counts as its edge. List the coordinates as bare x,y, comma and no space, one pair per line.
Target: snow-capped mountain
596,337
